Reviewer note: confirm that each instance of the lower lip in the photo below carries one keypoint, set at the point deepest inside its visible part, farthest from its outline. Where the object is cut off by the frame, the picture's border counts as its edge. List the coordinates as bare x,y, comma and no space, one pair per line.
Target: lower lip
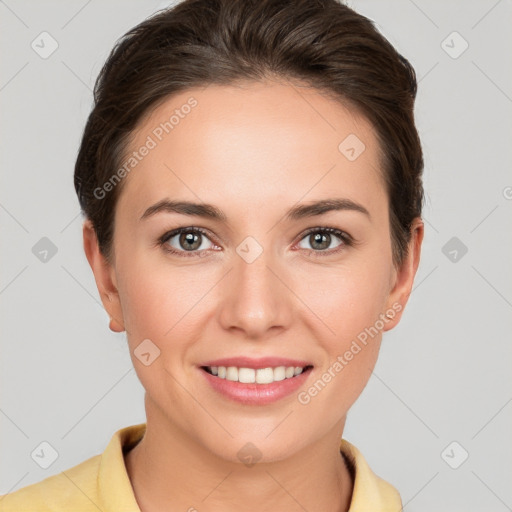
256,394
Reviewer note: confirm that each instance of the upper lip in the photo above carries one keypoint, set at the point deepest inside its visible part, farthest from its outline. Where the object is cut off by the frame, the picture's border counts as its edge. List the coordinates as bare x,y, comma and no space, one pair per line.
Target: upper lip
256,363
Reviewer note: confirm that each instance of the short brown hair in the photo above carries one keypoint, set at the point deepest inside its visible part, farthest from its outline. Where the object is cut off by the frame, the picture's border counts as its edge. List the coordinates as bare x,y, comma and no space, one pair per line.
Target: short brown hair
322,43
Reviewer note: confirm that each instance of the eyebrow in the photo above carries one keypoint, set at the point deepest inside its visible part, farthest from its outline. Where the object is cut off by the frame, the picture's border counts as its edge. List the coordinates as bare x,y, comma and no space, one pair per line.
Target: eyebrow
212,212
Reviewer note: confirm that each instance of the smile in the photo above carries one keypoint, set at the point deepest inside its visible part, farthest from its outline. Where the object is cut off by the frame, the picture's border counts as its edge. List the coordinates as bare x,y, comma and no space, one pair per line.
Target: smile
255,376
253,386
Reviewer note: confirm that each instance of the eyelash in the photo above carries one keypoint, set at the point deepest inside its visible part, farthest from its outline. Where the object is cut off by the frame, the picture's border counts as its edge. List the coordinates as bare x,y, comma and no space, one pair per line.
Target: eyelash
347,240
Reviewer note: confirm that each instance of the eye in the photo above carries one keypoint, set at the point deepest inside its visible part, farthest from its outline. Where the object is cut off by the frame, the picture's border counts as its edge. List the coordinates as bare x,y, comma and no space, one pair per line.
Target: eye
193,241
322,238
187,241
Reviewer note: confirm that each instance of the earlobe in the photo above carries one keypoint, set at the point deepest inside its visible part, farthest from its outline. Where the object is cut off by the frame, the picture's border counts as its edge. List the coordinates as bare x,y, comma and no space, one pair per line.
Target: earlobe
104,277
115,326
404,281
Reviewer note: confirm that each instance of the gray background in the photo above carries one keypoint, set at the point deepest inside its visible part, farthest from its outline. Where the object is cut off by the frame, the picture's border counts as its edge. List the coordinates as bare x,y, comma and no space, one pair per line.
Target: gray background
444,373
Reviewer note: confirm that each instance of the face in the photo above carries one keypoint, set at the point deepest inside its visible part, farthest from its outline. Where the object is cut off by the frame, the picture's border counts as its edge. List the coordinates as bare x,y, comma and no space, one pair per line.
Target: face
265,277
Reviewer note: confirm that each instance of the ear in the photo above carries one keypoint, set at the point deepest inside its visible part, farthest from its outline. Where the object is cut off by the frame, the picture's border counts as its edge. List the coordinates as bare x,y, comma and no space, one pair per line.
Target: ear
404,277
104,274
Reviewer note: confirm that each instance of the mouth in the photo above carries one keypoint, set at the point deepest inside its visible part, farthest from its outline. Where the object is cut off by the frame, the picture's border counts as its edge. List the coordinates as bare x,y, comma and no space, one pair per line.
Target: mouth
260,376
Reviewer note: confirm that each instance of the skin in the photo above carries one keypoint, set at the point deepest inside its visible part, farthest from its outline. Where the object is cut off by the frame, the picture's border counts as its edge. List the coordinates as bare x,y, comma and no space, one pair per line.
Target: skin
254,151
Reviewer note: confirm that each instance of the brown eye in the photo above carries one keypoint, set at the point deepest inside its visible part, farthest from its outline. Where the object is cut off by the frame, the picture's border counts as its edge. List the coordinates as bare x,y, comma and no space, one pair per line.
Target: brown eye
186,240
324,240
190,241
320,241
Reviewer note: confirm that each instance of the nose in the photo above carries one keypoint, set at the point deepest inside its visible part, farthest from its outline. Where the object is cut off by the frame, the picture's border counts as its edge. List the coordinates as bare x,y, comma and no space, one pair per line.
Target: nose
255,298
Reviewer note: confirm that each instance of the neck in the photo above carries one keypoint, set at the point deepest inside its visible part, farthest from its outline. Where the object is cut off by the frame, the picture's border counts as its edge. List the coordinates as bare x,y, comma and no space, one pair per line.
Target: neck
170,470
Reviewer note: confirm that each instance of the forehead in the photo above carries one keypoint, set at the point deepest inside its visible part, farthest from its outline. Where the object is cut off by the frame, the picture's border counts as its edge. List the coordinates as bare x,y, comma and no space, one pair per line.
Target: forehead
250,145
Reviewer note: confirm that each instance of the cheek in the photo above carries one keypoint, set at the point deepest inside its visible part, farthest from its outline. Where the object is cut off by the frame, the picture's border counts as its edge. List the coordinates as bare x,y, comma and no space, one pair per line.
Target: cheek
154,299
158,304
347,299
164,302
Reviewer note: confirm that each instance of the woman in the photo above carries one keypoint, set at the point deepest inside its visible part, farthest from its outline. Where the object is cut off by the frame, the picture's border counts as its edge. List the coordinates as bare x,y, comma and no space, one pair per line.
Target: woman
251,180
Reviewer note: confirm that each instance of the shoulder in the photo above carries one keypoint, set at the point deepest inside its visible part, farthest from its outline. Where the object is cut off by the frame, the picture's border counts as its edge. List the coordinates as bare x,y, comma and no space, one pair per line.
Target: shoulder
98,483
75,487
370,491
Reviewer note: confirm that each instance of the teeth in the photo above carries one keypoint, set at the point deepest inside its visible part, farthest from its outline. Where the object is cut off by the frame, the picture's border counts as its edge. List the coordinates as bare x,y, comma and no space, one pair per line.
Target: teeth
279,373
251,376
265,376
244,375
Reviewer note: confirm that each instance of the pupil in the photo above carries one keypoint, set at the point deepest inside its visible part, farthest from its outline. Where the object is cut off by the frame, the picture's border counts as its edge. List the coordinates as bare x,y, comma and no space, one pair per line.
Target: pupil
318,237
190,238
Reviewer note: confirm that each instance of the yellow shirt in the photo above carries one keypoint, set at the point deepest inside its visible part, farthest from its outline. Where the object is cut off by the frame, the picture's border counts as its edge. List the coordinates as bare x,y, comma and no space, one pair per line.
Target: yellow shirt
101,483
